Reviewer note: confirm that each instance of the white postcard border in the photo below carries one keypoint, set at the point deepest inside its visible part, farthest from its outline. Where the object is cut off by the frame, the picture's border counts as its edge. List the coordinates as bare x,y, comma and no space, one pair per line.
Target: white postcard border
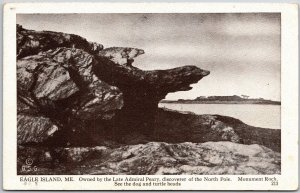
288,180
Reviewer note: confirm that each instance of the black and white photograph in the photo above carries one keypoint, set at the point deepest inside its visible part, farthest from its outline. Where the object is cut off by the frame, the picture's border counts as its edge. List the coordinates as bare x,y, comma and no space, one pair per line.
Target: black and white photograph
149,94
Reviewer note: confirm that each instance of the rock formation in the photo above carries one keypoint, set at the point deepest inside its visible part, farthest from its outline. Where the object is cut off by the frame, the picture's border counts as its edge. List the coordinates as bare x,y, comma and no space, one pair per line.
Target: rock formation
210,158
171,126
30,42
80,102
60,84
72,86
144,89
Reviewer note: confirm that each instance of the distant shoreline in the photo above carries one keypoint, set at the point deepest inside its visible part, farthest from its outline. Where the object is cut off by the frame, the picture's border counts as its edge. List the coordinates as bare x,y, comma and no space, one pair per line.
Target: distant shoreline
222,102
234,99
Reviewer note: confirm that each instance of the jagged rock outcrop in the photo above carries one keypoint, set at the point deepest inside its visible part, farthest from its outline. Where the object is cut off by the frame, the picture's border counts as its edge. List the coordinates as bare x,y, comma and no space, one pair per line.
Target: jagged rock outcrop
60,84
211,158
30,42
122,56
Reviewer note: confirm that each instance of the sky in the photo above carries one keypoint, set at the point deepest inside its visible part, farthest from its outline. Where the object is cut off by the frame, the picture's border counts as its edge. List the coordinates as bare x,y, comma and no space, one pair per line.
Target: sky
241,50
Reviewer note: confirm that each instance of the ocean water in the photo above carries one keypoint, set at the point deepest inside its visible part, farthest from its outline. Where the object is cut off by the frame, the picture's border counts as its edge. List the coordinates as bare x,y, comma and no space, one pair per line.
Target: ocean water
267,116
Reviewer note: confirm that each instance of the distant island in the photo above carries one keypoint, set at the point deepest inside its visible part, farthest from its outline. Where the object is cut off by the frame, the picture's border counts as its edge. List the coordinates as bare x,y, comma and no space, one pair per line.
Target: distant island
235,99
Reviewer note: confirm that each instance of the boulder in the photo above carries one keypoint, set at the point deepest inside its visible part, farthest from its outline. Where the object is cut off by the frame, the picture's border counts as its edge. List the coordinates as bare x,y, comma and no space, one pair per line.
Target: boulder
34,128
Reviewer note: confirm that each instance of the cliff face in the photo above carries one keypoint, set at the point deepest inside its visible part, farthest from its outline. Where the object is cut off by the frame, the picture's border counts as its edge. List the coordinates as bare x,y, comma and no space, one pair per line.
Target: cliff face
71,92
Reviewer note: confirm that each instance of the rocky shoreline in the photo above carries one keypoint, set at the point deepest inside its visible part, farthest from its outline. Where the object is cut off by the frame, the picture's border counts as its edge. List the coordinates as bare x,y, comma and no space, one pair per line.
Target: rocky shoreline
157,158
85,109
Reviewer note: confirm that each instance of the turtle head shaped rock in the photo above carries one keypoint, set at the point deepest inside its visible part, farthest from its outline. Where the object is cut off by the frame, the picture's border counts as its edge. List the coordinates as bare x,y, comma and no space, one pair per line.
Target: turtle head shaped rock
134,52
